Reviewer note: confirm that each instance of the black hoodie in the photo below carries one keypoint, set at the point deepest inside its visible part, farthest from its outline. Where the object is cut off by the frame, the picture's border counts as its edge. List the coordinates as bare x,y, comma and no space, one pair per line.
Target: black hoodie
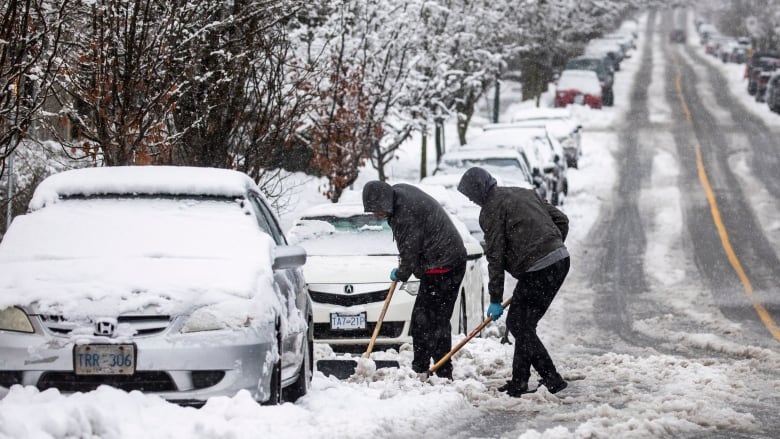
425,235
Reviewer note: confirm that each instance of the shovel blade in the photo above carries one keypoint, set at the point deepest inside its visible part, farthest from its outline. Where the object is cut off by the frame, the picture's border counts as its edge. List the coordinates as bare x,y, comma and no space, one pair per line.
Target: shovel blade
343,369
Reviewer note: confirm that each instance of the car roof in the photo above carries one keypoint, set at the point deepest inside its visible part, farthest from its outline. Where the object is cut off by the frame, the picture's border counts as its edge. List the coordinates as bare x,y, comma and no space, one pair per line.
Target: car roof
142,180
480,153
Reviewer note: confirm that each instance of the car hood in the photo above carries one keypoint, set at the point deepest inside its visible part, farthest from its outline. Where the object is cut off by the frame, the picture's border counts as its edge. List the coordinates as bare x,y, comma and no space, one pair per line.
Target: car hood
104,286
349,269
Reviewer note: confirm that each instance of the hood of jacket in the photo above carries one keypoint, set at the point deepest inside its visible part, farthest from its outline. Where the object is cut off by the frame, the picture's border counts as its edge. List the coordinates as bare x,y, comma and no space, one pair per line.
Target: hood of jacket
378,197
476,184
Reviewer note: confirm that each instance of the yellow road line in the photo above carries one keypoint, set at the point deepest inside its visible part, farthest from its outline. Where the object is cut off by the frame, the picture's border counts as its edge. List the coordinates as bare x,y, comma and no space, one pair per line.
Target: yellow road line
763,314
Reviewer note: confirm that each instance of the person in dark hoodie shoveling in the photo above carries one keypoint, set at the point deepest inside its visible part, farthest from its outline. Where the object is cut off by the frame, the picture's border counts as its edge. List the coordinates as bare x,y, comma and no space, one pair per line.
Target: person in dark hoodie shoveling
430,247
524,235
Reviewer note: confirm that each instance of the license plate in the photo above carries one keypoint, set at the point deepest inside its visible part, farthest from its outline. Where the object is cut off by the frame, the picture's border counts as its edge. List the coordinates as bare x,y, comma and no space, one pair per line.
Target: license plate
579,99
348,321
104,359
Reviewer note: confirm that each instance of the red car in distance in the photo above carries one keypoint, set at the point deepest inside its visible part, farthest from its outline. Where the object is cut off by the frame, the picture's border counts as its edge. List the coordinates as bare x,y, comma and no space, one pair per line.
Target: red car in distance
581,87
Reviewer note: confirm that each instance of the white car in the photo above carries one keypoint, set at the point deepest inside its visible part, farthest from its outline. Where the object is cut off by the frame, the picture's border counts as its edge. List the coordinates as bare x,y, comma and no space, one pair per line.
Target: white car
561,123
505,163
350,255
172,281
543,151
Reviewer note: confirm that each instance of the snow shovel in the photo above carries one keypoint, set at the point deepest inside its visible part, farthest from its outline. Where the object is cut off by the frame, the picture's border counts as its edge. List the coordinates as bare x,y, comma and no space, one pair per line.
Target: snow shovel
343,369
463,342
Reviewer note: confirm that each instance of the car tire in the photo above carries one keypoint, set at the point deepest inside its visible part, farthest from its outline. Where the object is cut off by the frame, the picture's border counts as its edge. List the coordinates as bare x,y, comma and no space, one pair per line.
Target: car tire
276,375
302,384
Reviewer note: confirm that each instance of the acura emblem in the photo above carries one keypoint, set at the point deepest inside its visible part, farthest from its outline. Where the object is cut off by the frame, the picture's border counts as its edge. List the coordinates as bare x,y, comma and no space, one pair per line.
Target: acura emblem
105,327
349,289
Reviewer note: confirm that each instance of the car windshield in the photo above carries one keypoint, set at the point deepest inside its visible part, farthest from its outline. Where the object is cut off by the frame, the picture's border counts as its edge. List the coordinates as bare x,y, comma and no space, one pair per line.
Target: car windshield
330,235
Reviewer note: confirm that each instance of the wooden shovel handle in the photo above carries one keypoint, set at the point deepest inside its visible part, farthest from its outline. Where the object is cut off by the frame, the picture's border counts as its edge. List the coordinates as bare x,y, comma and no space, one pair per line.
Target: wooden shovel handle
463,342
381,319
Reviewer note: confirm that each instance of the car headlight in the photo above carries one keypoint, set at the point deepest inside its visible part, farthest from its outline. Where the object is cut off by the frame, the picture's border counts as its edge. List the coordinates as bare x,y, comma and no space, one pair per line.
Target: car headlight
14,319
412,287
212,318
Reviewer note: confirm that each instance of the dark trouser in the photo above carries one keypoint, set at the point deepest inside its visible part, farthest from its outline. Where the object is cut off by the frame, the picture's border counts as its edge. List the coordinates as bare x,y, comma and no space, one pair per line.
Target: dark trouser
532,297
430,327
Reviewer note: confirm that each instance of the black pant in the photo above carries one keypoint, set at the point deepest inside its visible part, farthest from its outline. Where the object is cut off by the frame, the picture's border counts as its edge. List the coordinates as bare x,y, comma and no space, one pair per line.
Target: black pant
430,327
532,297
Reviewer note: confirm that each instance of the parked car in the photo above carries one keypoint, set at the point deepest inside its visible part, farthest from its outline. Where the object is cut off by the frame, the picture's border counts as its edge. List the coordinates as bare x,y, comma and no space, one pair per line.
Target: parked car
603,69
756,63
773,92
677,36
505,163
351,253
172,281
561,123
762,83
543,151
580,87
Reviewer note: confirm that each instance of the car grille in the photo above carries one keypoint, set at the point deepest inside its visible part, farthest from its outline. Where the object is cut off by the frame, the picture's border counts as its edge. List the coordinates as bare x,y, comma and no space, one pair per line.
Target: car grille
142,324
348,300
142,381
388,330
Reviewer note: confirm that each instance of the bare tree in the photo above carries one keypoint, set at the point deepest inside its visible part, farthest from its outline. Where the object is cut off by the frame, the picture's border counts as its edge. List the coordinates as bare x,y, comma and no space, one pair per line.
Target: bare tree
31,35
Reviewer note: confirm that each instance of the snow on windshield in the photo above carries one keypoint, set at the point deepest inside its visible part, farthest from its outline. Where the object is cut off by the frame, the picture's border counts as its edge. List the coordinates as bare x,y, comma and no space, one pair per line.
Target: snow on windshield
129,253
362,234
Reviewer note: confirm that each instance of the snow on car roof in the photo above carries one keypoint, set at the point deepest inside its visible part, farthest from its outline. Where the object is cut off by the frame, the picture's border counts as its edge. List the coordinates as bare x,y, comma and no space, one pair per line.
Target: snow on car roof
479,153
120,180
585,81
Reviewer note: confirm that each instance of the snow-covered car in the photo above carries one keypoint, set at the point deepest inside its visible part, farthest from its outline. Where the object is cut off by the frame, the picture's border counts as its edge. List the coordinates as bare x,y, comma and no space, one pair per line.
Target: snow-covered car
172,281
544,153
506,163
580,87
560,123
350,255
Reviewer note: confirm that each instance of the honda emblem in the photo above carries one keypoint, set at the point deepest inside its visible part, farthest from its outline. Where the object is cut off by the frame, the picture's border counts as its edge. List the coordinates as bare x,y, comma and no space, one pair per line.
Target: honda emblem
105,327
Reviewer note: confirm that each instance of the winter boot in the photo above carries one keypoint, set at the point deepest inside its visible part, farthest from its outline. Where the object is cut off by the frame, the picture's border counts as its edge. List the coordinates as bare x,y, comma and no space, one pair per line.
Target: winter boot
514,389
554,385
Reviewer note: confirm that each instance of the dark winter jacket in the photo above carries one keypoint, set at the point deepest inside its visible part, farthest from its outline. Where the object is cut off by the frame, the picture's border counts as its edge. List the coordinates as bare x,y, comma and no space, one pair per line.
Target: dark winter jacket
424,233
519,226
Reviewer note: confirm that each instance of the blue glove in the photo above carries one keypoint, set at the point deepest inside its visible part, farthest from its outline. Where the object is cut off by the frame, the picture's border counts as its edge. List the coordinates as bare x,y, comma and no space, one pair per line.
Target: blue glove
495,310
394,274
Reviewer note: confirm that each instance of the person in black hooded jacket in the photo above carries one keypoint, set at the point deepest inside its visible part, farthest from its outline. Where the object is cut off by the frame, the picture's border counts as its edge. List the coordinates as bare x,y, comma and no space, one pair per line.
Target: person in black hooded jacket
430,247
524,235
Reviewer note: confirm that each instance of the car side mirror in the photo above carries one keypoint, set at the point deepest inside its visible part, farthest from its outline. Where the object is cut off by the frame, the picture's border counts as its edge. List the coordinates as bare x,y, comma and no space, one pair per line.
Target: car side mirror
289,256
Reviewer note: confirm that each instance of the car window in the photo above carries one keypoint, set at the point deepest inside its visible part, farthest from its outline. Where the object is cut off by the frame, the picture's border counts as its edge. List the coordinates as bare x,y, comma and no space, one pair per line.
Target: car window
266,220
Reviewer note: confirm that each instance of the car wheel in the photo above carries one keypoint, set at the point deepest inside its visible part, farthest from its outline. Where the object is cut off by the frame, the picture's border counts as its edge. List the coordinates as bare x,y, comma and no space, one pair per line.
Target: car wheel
463,324
302,385
276,375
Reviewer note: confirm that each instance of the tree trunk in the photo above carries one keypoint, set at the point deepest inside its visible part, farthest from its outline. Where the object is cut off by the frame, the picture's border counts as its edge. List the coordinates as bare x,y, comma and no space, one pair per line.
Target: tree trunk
496,100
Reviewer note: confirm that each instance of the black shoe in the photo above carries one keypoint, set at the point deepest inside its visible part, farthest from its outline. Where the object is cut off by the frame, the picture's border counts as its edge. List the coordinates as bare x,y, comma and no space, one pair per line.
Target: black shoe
554,386
515,390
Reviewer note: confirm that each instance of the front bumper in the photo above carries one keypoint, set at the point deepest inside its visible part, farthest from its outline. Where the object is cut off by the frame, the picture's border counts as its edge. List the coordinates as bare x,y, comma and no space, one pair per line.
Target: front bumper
178,367
393,332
